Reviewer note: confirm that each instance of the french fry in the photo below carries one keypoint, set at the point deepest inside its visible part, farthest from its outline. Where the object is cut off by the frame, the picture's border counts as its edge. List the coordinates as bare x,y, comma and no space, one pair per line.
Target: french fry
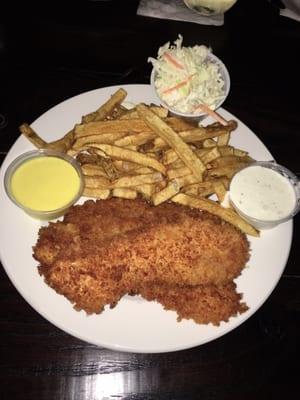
169,156
226,150
130,181
32,136
225,181
202,192
97,193
205,188
165,194
127,167
107,108
135,139
178,172
159,110
228,160
177,124
211,206
220,190
173,139
196,135
209,143
239,152
105,138
226,170
112,127
143,151
93,169
129,114
107,165
95,181
132,147
63,144
223,139
160,185
187,180
202,189
130,155
191,190
176,164
117,112
72,153
143,170
125,193
146,190
86,158
209,155
126,126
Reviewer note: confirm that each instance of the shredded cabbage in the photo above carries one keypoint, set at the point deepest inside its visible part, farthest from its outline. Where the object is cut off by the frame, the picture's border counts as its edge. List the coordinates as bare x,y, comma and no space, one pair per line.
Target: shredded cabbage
185,77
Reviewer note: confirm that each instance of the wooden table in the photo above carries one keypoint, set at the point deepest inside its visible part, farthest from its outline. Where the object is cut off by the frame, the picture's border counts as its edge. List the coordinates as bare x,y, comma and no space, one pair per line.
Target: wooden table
50,54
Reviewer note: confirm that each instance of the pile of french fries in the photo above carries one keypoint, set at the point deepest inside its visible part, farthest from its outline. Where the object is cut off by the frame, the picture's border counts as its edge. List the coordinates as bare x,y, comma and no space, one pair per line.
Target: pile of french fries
143,151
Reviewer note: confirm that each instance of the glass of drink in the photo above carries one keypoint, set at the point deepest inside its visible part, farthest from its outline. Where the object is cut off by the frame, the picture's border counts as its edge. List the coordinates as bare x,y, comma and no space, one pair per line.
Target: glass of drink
209,7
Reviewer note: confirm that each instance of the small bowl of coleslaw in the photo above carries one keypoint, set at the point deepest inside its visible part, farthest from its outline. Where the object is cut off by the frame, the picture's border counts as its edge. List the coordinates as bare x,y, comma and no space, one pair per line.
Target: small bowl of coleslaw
191,82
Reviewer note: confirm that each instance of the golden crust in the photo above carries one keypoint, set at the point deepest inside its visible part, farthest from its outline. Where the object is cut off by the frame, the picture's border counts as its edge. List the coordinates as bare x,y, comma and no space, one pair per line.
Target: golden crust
105,249
204,303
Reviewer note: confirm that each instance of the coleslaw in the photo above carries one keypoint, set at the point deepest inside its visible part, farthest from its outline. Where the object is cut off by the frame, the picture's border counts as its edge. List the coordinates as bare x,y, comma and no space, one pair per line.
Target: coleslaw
187,77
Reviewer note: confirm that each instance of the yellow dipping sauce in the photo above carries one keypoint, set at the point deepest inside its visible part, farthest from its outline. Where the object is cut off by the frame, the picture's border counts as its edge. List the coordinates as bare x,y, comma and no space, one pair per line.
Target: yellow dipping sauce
45,183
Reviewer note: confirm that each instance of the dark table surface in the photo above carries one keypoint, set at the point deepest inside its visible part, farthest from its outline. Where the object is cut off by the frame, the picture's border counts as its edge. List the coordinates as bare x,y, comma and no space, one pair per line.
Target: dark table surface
50,53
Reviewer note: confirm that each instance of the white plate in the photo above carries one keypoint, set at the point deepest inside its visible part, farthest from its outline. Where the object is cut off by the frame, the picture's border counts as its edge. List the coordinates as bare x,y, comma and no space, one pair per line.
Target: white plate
133,325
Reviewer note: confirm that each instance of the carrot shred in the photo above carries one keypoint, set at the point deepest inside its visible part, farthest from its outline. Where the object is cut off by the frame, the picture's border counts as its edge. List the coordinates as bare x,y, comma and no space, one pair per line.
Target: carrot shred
179,85
173,61
213,114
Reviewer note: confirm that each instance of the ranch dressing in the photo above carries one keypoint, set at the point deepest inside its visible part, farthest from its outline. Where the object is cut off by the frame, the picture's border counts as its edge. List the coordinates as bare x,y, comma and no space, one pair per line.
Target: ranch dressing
262,193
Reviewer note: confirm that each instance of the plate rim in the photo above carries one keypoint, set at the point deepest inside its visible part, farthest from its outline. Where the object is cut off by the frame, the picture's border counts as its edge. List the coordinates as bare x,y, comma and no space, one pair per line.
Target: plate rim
117,347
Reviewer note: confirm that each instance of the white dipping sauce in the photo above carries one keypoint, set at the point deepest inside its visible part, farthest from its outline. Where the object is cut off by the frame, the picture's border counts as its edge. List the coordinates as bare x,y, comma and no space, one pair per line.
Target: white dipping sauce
262,193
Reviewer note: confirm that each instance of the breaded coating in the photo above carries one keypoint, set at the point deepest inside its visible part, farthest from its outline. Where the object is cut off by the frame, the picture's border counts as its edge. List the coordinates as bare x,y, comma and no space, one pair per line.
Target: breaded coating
105,249
203,304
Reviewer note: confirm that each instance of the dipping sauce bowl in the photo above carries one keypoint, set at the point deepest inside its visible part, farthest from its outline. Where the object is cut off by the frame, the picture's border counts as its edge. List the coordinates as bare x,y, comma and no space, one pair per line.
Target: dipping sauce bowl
44,183
265,194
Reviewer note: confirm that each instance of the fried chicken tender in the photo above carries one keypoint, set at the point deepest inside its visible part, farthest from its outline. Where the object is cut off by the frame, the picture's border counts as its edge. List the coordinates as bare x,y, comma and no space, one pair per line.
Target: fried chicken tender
202,303
103,250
